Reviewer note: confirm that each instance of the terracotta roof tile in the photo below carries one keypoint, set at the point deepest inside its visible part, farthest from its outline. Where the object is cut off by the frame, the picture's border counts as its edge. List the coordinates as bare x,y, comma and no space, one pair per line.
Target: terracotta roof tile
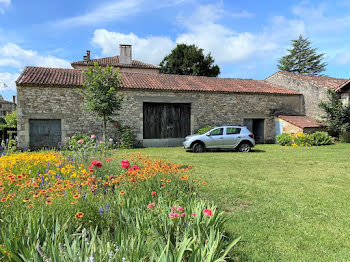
302,121
2,101
320,81
114,61
34,76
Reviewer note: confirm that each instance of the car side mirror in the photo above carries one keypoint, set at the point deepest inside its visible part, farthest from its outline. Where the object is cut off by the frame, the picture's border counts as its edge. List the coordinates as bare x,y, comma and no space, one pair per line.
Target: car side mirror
209,134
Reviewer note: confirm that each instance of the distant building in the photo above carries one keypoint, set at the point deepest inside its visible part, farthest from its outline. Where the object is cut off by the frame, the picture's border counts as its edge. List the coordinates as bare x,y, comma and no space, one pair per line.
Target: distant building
124,62
7,107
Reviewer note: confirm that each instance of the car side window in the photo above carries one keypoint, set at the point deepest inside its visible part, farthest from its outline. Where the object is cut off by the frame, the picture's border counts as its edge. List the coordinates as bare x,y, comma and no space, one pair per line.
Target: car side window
217,132
232,131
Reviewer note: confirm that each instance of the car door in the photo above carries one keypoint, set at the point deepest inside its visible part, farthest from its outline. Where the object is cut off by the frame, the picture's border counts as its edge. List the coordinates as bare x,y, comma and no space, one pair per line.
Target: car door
214,138
231,137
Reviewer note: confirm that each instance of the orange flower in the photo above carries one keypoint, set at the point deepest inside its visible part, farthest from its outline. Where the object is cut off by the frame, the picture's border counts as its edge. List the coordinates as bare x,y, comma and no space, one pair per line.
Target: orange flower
184,177
26,200
3,199
168,180
30,205
73,202
79,215
76,196
204,183
48,202
122,192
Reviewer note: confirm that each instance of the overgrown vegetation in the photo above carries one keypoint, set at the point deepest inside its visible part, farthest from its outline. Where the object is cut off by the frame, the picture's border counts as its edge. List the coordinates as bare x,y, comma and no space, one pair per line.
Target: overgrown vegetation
204,129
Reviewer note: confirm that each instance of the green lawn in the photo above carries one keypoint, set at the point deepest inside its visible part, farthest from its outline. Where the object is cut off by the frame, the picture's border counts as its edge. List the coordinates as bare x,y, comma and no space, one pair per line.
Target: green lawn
287,204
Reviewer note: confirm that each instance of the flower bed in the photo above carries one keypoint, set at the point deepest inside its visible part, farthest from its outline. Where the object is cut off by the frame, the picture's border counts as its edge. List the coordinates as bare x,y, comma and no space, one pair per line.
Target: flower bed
108,209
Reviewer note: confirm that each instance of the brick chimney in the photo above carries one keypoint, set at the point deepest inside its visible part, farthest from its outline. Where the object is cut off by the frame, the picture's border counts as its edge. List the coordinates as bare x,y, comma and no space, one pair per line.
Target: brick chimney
87,56
125,57
14,99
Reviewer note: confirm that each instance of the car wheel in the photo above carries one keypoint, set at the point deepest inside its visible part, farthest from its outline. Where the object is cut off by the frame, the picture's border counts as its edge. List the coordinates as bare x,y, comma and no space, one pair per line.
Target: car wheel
244,147
198,148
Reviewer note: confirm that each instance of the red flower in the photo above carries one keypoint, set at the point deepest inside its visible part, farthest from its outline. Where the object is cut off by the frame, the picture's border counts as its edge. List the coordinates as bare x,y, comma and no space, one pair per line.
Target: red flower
96,163
150,206
194,214
207,212
153,193
108,159
183,214
135,167
91,166
125,164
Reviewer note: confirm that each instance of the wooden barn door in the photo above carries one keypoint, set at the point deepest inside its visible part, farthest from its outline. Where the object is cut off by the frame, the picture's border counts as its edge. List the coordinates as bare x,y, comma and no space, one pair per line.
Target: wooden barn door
44,133
162,120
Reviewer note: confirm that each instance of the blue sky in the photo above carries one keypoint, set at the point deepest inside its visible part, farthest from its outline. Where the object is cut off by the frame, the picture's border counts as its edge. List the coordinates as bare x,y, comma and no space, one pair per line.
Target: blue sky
246,38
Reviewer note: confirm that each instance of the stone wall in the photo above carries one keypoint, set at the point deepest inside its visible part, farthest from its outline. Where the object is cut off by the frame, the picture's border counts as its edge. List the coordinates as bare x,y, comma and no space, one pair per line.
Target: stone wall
313,95
206,108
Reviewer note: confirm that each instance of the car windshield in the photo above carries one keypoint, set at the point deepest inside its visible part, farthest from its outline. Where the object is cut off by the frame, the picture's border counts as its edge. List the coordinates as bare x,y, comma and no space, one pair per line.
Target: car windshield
217,132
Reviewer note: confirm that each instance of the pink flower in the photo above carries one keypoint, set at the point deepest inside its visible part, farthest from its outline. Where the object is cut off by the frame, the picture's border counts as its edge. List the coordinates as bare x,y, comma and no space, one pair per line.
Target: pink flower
115,150
171,215
153,193
101,142
93,136
176,214
73,137
194,214
180,209
183,214
80,141
134,167
173,208
96,163
108,159
150,206
125,164
207,212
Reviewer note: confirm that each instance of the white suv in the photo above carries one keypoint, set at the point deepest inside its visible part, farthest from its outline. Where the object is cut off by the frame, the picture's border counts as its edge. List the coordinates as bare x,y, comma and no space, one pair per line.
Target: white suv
221,137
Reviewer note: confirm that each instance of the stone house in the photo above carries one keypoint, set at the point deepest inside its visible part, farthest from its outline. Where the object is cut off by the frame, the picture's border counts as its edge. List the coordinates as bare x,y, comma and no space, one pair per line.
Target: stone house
7,107
161,109
313,88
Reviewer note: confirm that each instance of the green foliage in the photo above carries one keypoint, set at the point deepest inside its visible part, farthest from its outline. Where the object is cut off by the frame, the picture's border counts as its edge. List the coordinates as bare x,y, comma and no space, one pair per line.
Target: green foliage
189,60
321,139
9,121
284,139
127,137
100,91
302,59
204,129
344,137
337,115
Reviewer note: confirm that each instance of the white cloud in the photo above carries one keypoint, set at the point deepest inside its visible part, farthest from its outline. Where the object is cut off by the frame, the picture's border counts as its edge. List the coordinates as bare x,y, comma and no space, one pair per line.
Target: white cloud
117,10
149,49
7,81
4,4
12,55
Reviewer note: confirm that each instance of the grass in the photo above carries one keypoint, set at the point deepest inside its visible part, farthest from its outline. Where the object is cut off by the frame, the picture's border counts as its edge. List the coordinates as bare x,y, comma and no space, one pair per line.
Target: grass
287,204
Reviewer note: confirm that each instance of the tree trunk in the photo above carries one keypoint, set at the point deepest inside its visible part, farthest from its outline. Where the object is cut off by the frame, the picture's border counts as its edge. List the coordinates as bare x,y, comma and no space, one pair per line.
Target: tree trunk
104,128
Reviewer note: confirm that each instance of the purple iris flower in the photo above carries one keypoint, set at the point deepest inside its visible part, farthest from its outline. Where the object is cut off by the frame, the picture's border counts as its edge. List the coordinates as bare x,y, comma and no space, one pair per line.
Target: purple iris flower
101,211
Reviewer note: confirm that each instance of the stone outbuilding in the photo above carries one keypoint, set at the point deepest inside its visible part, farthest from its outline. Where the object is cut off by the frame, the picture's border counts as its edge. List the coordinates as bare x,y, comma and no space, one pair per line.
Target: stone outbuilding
161,109
298,124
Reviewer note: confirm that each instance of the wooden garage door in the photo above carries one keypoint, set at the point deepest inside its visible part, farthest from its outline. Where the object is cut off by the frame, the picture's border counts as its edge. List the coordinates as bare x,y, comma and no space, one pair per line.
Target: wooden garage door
162,120
44,133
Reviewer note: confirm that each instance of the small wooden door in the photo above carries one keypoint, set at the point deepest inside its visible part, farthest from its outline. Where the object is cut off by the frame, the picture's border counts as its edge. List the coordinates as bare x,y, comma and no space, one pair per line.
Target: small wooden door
170,120
44,133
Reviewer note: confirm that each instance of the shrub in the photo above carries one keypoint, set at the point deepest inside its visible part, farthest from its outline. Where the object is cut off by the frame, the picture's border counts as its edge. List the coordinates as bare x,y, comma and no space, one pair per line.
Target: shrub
321,139
302,139
344,137
284,139
127,137
204,129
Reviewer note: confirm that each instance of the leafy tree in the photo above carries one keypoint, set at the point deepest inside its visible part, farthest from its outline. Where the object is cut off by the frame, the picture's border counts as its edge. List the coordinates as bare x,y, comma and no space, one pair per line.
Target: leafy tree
11,119
337,114
100,91
302,59
189,60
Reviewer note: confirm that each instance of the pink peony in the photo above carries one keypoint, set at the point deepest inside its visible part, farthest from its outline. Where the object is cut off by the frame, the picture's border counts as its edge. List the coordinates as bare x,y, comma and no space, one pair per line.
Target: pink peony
180,209
80,141
150,206
125,164
207,212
